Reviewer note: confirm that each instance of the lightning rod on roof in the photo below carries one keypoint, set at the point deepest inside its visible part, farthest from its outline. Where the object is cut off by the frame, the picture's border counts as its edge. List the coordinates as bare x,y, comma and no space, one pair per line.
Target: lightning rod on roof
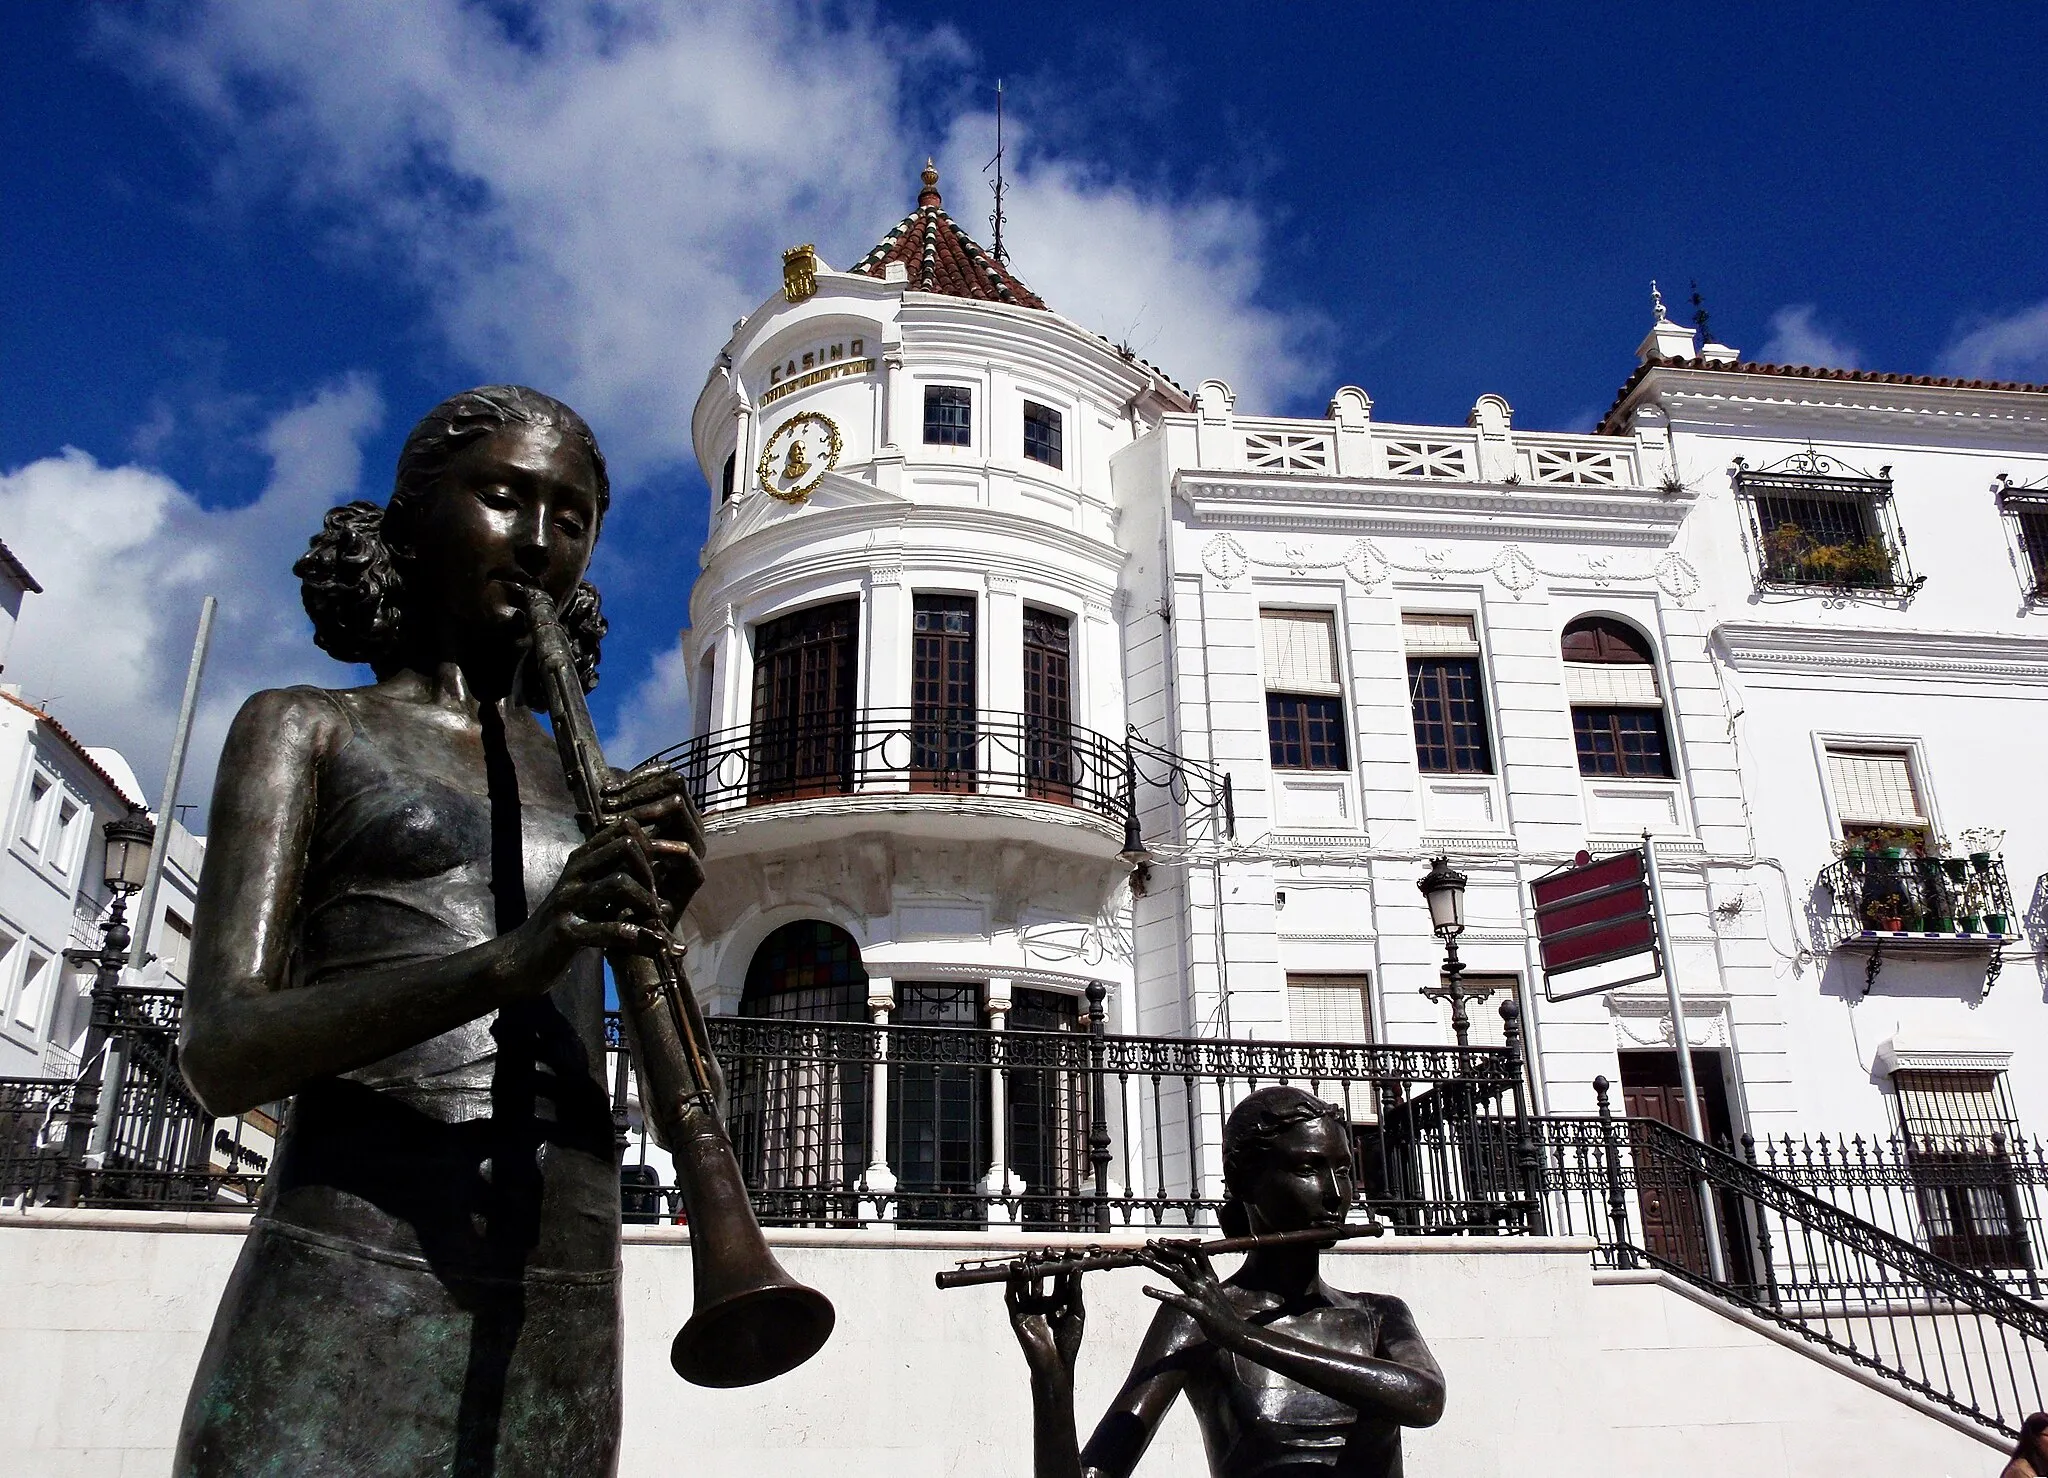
995,220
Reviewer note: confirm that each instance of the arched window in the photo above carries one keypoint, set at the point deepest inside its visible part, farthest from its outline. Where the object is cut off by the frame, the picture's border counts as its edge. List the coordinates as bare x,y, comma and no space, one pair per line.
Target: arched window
807,971
1610,675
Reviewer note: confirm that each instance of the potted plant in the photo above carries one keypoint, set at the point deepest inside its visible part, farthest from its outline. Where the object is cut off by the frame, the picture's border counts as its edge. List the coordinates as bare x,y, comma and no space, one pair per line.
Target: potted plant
1968,923
1980,842
1995,923
1853,851
1883,913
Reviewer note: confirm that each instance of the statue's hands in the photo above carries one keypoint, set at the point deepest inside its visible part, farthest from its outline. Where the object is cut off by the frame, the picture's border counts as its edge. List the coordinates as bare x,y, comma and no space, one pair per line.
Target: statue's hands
1198,1292
657,798
1048,1325
604,899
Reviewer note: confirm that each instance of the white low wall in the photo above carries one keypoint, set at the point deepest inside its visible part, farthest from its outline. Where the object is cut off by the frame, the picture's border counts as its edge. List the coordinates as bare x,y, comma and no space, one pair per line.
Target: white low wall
102,1315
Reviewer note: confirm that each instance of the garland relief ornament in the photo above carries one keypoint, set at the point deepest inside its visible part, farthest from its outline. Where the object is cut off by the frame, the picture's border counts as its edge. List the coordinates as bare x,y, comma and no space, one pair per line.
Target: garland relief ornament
802,450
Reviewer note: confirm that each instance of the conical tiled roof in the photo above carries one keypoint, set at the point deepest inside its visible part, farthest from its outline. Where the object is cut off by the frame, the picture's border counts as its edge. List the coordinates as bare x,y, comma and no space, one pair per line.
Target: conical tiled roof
942,258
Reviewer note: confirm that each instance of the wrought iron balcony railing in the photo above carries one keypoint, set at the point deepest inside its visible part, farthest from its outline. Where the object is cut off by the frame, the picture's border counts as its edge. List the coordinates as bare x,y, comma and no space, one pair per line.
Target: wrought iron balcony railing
944,752
1885,892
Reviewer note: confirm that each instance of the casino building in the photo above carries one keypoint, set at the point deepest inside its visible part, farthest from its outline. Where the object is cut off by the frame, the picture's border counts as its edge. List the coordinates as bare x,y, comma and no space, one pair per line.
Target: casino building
964,551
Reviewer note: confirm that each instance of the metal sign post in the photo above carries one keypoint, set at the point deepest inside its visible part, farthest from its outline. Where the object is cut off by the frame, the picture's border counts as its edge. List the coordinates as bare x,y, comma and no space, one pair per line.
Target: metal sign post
174,774
1708,1212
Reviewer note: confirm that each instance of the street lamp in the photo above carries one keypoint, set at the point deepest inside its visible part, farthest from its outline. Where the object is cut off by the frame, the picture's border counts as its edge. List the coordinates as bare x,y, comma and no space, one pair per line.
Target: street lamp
124,870
1444,887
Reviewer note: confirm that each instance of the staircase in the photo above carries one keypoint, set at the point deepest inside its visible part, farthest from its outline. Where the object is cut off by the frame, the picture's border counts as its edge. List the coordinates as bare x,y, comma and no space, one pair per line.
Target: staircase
1656,1198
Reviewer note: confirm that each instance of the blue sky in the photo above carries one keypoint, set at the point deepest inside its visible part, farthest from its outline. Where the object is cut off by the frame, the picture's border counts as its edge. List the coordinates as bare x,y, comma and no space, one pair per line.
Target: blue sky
249,241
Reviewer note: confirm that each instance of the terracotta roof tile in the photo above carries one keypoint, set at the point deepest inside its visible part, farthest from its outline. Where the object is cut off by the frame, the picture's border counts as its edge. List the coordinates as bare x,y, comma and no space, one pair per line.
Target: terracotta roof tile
65,734
1611,425
942,258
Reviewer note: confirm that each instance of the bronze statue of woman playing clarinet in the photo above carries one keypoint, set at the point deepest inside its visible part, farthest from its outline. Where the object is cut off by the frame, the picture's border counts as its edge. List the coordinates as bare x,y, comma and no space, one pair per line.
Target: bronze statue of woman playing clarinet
398,930
1287,1375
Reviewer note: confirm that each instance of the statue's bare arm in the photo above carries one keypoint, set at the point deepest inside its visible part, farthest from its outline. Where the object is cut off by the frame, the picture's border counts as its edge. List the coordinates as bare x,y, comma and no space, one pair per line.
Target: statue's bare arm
1049,1328
247,1039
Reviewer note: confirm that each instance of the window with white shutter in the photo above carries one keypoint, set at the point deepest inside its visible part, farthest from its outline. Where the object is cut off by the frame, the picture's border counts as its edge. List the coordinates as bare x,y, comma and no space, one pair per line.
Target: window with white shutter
1304,698
1334,1008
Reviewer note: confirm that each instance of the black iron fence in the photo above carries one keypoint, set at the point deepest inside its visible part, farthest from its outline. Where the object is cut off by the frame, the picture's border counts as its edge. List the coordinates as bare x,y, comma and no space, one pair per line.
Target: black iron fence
1813,1258
148,1143
845,1124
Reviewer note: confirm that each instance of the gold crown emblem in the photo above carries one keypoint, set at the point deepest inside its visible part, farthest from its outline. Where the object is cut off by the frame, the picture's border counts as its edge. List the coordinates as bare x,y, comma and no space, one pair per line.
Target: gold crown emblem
799,272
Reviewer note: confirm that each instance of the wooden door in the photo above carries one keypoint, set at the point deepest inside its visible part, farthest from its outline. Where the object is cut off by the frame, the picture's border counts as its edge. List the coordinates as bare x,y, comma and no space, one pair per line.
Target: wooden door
1673,1227
802,743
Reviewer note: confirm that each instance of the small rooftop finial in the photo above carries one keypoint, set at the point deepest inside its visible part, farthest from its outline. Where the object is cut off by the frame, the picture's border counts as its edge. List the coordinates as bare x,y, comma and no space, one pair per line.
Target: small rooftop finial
1656,303
929,195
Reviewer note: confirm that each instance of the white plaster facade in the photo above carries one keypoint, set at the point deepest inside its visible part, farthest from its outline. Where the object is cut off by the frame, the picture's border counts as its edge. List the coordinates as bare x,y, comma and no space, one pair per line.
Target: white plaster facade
59,795
1176,520
1551,1368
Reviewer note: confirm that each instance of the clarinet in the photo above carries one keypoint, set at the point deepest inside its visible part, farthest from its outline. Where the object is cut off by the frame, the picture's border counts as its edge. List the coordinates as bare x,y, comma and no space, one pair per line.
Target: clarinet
752,1321
1099,1259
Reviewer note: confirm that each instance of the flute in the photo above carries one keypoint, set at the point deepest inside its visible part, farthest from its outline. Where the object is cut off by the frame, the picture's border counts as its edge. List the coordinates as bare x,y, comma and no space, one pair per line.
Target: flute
1096,1259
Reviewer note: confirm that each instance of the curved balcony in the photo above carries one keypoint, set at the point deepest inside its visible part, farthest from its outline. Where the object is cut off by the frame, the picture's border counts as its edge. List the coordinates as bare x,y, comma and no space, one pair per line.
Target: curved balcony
854,763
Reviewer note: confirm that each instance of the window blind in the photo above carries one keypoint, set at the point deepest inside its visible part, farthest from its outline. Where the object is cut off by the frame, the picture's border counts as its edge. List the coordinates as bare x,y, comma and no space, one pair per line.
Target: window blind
1334,1008
1300,651
1434,631
1874,786
1485,1028
1610,682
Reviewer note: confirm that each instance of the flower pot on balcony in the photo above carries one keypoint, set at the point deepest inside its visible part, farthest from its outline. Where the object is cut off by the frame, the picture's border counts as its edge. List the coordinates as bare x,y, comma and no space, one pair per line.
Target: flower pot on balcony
1969,923
1981,861
1892,924
1995,923
1893,854
1854,861
1955,867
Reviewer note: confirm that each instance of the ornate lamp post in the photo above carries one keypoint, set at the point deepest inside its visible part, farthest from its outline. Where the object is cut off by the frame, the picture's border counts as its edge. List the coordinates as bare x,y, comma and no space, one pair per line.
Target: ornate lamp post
126,868
1444,887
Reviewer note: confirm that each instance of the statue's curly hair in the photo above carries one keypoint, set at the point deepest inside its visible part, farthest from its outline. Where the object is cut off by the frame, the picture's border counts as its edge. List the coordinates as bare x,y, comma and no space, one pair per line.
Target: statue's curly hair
351,576
1248,1134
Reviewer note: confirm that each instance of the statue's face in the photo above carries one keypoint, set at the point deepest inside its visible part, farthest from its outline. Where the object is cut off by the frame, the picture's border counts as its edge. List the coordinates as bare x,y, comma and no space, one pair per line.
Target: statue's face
1305,1180
518,506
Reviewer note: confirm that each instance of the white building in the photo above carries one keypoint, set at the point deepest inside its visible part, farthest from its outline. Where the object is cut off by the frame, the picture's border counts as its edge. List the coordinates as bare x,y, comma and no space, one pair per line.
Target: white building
951,523
59,797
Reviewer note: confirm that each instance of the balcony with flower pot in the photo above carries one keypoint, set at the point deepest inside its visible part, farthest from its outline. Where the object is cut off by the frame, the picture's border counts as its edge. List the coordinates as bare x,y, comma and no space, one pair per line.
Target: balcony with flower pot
1901,893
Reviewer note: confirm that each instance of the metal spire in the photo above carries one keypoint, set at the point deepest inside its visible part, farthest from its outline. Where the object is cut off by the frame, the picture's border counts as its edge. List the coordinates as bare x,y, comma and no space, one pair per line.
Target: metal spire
995,220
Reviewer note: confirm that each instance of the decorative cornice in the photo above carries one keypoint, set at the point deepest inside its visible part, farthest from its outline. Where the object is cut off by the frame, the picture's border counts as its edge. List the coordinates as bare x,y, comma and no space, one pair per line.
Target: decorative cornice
1414,508
1893,654
1747,395
1516,571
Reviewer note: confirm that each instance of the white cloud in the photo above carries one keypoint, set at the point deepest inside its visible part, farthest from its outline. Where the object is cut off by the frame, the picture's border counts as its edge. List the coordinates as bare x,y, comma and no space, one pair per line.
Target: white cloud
655,714
125,555
2014,347
1797,339
586,194
1176,280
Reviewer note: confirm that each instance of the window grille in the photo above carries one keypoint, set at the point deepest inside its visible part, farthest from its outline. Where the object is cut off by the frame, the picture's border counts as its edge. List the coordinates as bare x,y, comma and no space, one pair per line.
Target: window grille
2027,507
1042,434
948,415
1815,523
1958,1127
